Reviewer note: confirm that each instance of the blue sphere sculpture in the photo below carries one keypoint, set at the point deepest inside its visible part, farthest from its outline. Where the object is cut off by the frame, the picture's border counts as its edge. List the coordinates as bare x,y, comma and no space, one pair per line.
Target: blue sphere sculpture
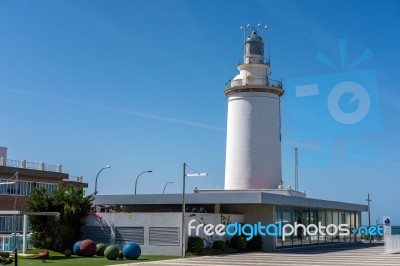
132,251
76,248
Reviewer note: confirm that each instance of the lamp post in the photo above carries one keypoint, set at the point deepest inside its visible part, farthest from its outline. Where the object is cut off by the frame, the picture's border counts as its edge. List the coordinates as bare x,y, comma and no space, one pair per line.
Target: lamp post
166,186
97,176
149,171
183,202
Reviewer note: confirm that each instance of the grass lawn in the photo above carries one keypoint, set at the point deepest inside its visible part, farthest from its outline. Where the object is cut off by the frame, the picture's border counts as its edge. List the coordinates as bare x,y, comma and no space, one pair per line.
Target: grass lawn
61,260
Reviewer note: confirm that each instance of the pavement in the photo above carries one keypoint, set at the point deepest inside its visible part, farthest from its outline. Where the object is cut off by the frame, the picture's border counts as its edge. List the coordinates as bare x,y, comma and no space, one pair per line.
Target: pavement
362,254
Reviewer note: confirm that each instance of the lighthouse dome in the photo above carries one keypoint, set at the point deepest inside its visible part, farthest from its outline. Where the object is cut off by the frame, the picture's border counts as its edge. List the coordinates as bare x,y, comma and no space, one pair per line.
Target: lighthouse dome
254,46
254,37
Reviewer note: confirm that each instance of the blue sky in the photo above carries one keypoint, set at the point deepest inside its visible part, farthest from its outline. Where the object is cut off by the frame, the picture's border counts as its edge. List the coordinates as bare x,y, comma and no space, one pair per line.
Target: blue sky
139,85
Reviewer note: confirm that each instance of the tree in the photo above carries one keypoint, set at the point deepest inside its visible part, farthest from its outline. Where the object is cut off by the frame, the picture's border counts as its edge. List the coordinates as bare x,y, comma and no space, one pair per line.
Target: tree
58,232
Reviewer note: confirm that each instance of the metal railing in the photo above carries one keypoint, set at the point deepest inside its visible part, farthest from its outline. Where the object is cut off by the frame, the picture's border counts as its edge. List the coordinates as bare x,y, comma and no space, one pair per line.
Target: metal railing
392,244
7,224
7,242
264,60
250,81
30,165
11,163
75,178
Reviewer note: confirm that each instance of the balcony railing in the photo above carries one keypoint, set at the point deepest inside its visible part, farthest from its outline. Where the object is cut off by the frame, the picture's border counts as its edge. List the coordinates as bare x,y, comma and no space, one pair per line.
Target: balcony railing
75,178
254,82
253,60
7,242
30,165
7,225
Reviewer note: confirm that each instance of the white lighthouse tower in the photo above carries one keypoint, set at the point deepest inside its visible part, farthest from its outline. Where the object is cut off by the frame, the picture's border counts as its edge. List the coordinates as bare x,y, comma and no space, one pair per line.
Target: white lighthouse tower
253,148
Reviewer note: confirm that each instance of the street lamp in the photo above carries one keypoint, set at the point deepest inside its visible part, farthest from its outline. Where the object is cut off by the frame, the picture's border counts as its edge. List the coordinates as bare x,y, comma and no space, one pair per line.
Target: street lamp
149,171
97,176
183,202
166,186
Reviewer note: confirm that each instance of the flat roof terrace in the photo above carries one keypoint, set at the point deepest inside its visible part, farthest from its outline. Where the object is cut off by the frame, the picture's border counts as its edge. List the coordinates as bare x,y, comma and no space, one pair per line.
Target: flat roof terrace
227,197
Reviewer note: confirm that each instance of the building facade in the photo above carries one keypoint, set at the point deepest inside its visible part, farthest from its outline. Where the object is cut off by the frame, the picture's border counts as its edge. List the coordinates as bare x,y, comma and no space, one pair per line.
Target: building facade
138,212
14,195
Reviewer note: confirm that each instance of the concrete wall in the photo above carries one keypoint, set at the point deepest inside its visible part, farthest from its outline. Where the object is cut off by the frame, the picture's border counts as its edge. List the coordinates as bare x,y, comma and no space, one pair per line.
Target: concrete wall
145,220
148,220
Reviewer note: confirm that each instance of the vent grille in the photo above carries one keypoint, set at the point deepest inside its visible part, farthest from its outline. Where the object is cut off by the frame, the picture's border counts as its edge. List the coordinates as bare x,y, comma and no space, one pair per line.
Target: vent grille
129,234
164,236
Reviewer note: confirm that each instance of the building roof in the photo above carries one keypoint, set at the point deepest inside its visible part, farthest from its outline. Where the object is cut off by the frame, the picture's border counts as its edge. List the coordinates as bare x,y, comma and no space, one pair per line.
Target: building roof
236,197
32,172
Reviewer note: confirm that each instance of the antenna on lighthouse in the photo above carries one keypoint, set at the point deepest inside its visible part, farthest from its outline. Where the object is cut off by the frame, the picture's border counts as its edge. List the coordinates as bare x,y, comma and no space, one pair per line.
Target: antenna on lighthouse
263,28
248,26
243,28
296,169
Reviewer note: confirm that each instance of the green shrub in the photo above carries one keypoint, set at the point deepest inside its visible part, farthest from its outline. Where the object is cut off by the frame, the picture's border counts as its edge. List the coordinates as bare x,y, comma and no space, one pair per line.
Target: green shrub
255,243
219,245
239,242
196,245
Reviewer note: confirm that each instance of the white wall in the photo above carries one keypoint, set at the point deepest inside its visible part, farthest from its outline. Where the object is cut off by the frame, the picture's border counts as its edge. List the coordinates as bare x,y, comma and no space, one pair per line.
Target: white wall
253,149
148,220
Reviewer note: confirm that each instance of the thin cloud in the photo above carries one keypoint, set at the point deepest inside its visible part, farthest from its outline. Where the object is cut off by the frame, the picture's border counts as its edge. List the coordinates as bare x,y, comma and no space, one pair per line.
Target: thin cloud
114,109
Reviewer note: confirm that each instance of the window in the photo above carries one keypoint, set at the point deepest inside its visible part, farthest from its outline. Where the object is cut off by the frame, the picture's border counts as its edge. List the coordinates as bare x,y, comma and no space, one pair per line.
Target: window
321,219
278,218
287,218
25,188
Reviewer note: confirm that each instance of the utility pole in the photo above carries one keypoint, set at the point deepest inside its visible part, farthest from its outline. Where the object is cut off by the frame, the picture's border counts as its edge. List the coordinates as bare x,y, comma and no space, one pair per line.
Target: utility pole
296,169
369,216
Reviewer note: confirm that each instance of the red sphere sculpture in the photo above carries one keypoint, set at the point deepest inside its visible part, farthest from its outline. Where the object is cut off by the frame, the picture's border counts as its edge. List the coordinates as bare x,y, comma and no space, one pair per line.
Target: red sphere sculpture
87,248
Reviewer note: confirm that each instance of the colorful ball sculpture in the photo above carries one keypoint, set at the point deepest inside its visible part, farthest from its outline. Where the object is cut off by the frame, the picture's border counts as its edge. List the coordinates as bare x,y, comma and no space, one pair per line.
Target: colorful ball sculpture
132,251
111,252
87,248
100,249
76,248
43,255
68,253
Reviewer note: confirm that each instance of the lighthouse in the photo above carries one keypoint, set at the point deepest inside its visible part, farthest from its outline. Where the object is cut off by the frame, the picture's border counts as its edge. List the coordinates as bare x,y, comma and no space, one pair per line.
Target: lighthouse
253,145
